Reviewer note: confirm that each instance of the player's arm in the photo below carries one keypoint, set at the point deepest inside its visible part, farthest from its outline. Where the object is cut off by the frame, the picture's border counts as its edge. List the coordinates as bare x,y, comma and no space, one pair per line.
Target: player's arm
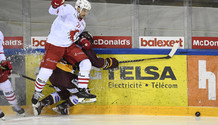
56,7
6,66
2,55
85,42
86,46
108,63
96,62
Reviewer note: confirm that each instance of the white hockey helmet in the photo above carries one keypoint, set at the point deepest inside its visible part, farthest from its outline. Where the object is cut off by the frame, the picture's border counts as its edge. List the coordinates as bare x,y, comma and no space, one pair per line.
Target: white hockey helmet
83,4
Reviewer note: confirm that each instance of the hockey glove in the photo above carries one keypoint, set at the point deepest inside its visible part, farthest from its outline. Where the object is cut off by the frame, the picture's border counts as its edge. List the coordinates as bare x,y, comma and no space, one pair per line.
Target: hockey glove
85,44
110,63
7,67
87,35
57,3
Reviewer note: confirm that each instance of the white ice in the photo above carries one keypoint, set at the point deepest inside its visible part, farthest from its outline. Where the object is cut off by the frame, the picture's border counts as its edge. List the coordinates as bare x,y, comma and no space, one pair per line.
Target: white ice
108,120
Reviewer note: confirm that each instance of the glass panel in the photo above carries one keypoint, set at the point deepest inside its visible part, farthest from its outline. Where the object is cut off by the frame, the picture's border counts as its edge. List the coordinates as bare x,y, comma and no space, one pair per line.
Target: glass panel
118,18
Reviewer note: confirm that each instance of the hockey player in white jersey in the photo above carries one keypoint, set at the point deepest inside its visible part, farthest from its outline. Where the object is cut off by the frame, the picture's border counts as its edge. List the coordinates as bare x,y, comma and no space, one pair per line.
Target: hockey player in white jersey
65,79
64,32
5,84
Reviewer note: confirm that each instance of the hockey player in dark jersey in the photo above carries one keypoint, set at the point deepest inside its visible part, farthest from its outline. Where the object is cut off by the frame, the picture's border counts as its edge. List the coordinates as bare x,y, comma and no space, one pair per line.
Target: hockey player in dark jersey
65,81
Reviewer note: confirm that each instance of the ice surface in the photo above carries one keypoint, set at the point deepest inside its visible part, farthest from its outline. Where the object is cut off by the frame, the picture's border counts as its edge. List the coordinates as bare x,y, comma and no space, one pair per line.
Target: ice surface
108,120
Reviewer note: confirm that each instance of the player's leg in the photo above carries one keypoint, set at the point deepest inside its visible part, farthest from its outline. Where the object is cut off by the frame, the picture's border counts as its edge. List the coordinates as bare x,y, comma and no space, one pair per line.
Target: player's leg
40,82
10,96
2,79
63,108
48,64
66,80
49,100
78,56
61,94
83,79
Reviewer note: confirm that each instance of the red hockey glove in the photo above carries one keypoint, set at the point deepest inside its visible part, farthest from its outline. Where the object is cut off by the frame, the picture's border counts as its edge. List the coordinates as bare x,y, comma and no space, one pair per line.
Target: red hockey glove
57,3
87,35
85,44
7,67
111,63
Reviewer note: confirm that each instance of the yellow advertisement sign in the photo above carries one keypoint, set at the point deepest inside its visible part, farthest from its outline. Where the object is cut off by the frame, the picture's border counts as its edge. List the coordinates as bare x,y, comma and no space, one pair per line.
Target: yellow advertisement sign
160,82
32,66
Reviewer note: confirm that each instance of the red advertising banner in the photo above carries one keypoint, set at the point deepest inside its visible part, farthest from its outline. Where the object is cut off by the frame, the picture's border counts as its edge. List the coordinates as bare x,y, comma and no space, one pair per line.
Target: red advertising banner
13,42
204,42
112,42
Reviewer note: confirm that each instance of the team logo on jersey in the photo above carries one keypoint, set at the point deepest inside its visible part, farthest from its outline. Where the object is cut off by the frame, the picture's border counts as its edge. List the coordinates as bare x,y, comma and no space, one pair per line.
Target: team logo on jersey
73,35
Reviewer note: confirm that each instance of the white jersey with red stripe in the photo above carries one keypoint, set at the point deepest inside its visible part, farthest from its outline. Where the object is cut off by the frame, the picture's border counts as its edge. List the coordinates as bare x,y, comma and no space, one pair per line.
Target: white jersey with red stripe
2,55
65,24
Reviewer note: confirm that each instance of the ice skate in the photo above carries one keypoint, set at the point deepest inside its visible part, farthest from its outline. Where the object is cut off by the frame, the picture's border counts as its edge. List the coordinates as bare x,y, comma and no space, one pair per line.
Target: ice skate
62,108
37,108
2,116
35,103
36,96
19,111
87,100
83,93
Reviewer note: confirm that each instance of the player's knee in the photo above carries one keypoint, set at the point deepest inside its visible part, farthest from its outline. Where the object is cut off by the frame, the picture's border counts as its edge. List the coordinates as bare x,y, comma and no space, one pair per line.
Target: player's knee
85,65
44,74
85,68
6,86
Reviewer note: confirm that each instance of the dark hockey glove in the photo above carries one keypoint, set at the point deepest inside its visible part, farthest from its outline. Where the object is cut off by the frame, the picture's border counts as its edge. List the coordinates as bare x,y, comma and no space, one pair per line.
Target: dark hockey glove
6,67
110,63
57,3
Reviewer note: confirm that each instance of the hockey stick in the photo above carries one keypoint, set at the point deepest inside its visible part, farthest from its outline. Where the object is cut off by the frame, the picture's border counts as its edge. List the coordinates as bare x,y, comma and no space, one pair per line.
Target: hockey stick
27,77
24,76
172,52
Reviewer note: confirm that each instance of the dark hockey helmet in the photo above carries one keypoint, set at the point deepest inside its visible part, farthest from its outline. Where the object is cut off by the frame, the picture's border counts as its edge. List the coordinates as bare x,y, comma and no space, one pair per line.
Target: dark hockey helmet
87,35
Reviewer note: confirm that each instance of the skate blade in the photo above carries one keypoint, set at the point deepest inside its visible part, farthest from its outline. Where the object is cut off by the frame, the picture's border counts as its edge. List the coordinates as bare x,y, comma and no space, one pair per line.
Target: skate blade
21,115
87,100
3,118
55,109
35,106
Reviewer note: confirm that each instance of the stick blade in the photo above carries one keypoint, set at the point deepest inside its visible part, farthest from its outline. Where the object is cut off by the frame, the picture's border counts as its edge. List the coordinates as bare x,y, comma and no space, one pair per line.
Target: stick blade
174,49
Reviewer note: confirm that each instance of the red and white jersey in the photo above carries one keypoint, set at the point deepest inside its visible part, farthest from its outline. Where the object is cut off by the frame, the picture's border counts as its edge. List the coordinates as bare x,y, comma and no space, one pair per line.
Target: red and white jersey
2,55
65,23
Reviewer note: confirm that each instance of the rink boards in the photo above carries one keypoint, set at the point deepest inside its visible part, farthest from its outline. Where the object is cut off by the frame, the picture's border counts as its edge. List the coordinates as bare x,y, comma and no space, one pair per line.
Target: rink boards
181,85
